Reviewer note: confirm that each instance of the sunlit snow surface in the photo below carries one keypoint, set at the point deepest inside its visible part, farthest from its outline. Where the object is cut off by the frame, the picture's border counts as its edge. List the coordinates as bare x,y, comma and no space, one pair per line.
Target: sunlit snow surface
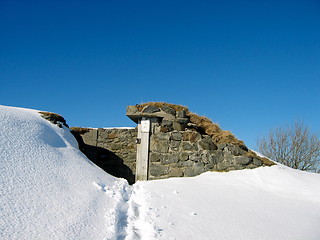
50,190
265,203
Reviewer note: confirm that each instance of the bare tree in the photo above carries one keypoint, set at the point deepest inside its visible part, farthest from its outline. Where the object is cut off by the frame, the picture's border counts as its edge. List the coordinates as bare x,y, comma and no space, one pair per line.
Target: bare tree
293,146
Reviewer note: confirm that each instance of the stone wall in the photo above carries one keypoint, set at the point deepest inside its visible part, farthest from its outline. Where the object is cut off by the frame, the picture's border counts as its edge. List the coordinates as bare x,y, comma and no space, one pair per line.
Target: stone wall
179,148
180,145
189,153
114,150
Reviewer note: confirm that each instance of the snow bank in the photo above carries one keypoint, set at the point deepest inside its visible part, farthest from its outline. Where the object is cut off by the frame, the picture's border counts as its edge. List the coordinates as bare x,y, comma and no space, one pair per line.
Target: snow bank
266,203
48,188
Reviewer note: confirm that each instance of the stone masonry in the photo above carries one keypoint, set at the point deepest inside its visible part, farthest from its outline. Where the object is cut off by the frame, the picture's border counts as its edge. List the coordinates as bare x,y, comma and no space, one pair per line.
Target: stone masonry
178,147
114,150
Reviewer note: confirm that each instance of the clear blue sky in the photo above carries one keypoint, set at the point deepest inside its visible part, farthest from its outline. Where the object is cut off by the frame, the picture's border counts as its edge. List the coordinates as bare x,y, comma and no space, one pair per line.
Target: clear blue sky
247,65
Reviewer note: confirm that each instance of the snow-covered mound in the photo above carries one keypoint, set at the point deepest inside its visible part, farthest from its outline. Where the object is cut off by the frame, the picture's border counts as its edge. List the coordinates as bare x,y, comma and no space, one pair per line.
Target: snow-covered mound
48,188
266,203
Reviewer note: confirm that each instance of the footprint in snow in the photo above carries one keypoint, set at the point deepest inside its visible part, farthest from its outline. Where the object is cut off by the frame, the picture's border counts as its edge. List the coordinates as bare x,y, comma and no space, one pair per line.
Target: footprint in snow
103,188
99,186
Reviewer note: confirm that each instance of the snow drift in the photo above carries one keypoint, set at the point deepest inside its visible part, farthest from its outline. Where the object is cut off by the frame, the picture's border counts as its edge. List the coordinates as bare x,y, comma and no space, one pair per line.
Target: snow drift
48,188
266,203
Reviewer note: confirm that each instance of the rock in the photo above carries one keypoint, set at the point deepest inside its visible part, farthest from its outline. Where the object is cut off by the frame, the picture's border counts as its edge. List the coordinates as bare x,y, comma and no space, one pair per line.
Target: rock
239,167
182,120
196,157
112,135
191,136
150,109
128,146
233,149
165,129
207,144
90,137
165,116
229,158
178,126
131,110
161,136
168,110
222,166
206,159
155,157
169,158
177,136
187,146
183,156
257,162
243,160
195,170
161,146
174,145
193,126
158,170
187,163
216,157
54,118
175,172
115,146
251,166
166,123
181,114
221,145
131,157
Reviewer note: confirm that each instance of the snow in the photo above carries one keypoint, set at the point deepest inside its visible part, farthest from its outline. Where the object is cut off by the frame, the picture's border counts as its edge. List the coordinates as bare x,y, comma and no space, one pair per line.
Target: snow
264,203
50,190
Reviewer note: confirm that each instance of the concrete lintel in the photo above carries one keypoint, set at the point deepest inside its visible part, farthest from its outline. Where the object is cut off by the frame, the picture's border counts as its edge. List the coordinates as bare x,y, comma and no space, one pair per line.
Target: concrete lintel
133,113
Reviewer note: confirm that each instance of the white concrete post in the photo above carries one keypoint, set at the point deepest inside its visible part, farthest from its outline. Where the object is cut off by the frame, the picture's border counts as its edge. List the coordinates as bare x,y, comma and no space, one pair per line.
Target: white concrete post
143,149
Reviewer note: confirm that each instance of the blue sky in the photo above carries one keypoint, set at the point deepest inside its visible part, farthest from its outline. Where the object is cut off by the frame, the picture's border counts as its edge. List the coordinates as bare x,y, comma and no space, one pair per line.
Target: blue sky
247,65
